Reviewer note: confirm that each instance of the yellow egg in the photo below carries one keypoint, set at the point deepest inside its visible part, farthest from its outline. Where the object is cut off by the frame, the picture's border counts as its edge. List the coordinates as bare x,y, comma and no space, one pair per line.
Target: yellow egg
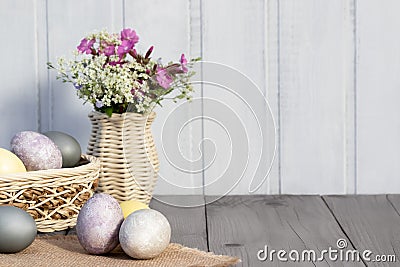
130,206
10,163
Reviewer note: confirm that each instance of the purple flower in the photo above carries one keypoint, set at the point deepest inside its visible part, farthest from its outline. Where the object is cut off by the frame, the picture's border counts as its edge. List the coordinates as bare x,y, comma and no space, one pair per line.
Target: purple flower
129,35
163,78
86,46
99,104
109,50
125,47
77,86
183,63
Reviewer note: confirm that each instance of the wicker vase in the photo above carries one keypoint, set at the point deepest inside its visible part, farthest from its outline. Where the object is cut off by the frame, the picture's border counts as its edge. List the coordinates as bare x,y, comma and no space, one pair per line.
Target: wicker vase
125,146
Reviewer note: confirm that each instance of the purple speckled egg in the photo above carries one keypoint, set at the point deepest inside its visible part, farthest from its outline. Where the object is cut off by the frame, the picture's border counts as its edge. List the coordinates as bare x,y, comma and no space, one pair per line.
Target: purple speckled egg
36,151
98,224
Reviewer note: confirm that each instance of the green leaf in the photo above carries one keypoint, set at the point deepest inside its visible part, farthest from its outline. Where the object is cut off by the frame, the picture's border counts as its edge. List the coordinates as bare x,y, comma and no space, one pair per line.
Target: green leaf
108,111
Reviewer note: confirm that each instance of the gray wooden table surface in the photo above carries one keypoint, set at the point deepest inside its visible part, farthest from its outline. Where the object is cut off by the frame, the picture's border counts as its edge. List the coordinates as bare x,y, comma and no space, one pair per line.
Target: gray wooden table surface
243,226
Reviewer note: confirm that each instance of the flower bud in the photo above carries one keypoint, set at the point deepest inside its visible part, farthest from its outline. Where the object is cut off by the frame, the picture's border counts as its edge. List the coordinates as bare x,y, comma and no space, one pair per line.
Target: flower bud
133,53
149,52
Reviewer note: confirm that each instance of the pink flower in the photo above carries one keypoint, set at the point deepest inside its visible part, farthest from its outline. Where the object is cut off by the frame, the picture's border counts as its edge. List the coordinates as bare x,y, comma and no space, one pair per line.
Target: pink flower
109,50
129,35
163,78
125,47
86,46
183,63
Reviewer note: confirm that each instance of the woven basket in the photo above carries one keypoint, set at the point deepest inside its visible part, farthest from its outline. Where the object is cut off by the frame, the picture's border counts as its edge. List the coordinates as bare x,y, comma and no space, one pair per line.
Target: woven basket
53,197
125,146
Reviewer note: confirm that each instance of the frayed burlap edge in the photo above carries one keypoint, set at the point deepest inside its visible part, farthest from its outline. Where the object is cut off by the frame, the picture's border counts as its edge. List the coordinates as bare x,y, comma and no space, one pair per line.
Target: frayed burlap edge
227,260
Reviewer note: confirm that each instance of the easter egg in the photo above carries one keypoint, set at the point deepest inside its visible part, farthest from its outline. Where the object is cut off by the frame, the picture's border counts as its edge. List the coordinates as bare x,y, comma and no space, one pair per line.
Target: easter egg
145,234
130,206
36,151
98,224
69,147
17,229
10,163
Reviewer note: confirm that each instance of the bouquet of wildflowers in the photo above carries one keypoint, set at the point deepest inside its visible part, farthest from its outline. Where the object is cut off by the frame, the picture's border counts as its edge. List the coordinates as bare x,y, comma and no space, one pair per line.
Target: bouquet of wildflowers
108,72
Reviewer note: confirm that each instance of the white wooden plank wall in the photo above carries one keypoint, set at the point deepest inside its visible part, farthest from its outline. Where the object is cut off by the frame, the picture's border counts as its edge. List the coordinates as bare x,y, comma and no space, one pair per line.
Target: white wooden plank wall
378,95
315,63
18,69
329,69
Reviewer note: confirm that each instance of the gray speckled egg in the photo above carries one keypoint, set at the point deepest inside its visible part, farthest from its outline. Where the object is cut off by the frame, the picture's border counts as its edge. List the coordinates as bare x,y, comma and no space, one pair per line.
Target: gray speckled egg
145,234
98,224
17,229
69,147
36,151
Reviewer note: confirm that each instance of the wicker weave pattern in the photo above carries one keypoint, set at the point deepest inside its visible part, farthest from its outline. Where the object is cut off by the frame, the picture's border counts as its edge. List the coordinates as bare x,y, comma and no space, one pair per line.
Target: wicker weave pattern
129,161
52,197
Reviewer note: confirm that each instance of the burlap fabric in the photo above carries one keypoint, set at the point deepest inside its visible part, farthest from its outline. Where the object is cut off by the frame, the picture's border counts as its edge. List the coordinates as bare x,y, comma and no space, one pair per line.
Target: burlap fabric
66,251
